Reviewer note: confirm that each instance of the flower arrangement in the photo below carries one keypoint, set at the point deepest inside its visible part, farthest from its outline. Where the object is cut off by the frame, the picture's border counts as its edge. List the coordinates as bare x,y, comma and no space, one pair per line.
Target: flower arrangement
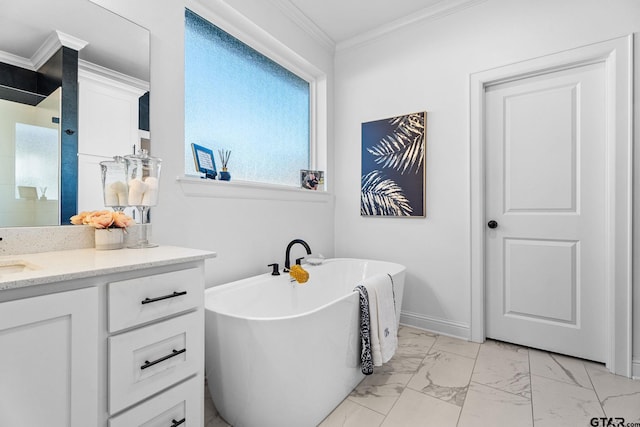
103,219
224,158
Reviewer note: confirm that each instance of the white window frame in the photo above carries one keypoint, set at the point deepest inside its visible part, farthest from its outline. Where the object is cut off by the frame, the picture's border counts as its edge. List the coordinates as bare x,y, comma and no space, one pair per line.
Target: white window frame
240,27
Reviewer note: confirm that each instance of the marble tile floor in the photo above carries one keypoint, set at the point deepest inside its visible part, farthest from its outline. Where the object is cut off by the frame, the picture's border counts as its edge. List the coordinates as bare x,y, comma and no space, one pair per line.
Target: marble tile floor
434,380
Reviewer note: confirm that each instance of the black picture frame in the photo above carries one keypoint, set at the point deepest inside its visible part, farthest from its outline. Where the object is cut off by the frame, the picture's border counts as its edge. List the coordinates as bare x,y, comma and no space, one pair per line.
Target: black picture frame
204,160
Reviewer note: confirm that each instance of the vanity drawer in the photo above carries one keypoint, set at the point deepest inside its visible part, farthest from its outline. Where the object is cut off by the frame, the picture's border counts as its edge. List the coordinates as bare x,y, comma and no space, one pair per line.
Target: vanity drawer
149,359
136,301
182,402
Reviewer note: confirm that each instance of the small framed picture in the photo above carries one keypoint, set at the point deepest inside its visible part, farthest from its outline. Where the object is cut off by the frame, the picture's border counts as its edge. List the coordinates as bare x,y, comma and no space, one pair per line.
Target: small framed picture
312,180
205,162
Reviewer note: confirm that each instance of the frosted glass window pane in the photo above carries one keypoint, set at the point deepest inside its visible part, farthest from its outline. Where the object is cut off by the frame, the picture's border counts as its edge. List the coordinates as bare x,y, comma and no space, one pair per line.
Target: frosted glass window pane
240,100
37,159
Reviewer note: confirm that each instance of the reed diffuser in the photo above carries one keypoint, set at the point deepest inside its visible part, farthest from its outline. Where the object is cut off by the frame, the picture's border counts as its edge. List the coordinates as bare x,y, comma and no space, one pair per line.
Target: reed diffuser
224,160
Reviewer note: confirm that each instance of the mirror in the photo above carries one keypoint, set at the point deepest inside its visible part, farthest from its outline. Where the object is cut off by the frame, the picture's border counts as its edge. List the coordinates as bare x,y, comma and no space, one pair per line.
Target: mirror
55,45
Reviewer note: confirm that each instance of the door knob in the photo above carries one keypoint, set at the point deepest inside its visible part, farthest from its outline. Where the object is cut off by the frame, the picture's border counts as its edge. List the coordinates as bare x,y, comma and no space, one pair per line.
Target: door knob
492,224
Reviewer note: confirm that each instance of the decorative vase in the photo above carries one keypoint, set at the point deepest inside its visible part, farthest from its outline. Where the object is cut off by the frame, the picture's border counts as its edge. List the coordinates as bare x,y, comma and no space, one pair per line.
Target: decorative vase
225,175
143,176
114,183
109,238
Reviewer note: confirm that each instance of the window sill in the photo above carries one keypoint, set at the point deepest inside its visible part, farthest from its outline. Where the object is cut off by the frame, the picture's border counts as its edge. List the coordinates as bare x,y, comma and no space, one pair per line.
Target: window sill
197,187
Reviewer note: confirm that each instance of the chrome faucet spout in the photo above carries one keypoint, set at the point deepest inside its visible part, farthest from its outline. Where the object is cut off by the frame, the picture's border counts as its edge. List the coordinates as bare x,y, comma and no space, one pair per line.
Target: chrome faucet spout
287,262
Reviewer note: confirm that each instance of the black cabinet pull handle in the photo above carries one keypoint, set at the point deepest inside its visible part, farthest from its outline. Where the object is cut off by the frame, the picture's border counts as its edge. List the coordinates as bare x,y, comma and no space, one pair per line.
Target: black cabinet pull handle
492,224
162,359
173,295
175,423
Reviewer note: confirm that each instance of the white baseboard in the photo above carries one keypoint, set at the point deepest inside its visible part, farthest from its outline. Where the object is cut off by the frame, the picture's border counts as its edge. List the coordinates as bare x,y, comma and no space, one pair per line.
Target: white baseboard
438,326
463,331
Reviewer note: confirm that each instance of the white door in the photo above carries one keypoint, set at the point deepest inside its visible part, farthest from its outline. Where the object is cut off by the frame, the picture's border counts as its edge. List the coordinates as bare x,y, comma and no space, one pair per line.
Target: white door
545,184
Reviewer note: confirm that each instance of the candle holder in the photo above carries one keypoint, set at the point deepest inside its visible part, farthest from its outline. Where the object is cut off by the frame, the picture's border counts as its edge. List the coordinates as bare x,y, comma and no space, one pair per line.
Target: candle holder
143,172
114,183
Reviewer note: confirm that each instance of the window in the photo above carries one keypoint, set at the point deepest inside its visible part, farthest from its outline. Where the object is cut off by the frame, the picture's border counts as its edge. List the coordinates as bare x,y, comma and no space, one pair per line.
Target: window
238,99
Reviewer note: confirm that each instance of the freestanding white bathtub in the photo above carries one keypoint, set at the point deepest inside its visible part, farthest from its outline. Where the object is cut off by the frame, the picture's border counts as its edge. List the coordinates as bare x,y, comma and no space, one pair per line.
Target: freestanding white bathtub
282,354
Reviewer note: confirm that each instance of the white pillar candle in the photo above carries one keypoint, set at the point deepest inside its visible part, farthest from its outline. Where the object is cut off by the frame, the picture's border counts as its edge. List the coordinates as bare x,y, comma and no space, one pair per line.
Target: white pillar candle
110,197
120,189
151,194
137,189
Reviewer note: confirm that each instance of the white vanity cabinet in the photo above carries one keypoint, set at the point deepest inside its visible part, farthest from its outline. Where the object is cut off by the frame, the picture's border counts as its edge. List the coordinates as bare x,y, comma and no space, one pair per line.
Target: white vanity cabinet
49,360
110,339
163,339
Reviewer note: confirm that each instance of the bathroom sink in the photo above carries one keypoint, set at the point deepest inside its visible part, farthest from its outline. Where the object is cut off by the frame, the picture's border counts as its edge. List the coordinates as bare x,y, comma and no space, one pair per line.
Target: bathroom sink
15,266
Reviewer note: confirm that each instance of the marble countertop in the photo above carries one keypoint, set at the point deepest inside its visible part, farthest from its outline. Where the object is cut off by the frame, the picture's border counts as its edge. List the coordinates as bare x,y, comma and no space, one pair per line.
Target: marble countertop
56,266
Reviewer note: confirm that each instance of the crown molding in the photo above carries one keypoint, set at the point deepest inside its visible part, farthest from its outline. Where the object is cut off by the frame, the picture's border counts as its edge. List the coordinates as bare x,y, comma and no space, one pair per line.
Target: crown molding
71,41
51,45
438,10
306,24
90,71
18,61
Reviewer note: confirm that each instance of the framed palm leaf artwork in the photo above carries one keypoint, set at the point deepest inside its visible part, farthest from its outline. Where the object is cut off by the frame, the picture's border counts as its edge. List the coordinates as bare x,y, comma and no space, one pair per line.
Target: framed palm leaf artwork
393,166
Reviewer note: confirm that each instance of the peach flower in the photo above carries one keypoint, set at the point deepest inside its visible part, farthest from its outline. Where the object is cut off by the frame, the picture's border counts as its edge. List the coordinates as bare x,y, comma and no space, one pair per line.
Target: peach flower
102,219
122,220
79,218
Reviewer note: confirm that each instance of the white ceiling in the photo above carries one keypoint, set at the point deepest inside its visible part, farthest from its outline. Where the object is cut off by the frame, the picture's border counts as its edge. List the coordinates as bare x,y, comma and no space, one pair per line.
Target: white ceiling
341,22
344,19
25,25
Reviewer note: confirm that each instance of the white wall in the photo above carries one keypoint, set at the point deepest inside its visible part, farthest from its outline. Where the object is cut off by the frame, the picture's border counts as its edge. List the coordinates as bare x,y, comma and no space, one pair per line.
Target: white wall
247,234
426,66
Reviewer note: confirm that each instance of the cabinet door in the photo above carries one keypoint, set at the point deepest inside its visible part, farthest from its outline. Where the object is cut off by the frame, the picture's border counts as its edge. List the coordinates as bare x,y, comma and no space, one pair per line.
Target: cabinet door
178,406
145,299
49,360
107,116
107,127
147,360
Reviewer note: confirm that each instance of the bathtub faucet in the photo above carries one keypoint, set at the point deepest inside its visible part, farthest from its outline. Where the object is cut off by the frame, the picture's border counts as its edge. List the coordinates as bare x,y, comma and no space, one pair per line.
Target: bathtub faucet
287,262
